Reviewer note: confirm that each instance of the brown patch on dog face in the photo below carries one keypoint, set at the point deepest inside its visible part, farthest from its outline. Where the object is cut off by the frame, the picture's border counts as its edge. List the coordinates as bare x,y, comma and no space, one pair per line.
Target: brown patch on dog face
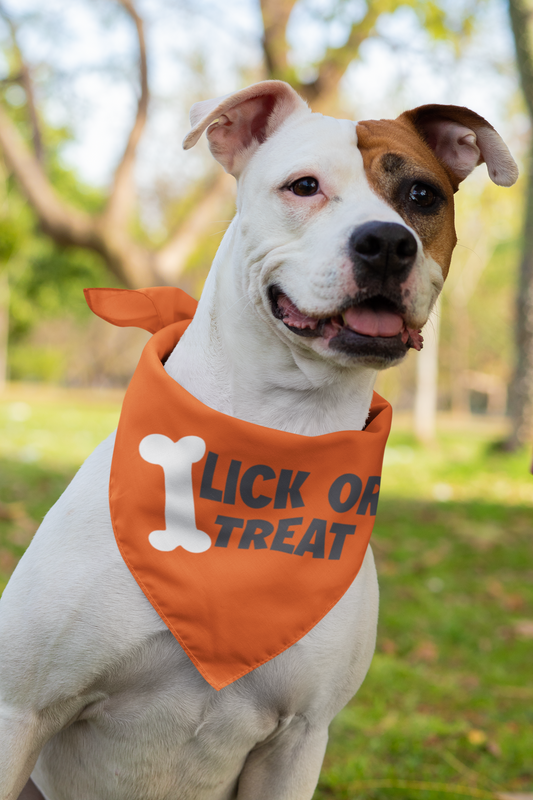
402,170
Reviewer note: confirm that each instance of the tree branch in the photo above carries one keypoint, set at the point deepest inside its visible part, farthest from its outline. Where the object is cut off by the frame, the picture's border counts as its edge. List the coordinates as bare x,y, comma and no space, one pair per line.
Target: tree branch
131,263
276,15
337,60
520,17
122,196
171,259
64,223
25,80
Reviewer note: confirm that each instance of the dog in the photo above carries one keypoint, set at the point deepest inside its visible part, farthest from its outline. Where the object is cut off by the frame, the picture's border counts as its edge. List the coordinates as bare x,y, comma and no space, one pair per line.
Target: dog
339,248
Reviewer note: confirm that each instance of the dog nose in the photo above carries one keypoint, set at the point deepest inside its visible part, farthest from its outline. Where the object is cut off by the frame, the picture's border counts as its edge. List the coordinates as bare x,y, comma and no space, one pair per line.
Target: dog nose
383,248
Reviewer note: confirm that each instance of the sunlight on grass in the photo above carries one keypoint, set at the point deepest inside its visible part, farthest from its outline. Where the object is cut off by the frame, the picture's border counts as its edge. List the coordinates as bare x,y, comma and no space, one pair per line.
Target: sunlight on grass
53,426
45,435
463,464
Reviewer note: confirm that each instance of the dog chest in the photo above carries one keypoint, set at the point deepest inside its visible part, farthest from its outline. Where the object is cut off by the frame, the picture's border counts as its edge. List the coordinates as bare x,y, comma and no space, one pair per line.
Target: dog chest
160,727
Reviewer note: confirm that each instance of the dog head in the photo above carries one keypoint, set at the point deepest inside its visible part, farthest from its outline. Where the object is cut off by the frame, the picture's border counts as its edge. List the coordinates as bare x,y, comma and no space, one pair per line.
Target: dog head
345,231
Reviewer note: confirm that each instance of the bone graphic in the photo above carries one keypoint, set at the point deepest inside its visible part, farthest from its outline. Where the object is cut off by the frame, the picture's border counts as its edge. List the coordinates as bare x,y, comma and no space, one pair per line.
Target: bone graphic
177,459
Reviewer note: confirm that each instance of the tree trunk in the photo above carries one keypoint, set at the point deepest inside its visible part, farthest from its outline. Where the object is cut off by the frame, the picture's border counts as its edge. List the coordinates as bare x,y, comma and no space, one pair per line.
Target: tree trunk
521,387
427,374
461,345
461,284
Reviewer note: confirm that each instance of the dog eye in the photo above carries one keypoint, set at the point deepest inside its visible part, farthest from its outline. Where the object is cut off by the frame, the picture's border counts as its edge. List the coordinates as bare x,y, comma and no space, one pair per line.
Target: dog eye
304,187
423,195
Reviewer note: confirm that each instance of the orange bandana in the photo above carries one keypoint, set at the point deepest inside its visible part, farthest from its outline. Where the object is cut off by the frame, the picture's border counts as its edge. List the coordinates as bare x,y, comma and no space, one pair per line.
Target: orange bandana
241,537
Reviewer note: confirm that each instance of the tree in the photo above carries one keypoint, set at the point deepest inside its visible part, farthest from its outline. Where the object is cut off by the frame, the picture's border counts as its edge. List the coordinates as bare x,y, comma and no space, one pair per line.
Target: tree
427,372
108,232
521,387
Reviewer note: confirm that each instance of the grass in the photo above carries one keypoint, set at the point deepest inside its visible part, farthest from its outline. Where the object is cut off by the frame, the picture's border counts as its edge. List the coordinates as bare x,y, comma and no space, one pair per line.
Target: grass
45,435
447,706
449,696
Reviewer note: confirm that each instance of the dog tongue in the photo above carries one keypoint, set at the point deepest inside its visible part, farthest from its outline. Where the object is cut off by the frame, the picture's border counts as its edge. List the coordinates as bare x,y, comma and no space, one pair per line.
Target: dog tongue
373,323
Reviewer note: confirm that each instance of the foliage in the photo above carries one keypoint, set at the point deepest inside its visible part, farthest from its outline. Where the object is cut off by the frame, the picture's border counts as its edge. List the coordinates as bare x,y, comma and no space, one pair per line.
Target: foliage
9,236
49,283
46,281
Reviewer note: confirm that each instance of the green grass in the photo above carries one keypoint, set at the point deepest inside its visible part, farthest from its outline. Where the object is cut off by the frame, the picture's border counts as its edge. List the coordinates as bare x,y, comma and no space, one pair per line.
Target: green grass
449,695
45,435
449,698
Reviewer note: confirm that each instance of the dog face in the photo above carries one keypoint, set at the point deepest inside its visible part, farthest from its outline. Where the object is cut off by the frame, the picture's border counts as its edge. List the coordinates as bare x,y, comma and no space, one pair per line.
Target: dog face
345,230
342,266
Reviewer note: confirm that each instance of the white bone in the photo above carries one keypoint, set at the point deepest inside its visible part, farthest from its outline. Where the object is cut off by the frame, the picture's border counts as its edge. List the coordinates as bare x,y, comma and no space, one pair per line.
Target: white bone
177,459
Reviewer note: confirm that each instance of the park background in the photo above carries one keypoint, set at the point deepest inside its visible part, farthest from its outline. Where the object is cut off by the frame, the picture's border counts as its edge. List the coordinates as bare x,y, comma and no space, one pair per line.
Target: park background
96,191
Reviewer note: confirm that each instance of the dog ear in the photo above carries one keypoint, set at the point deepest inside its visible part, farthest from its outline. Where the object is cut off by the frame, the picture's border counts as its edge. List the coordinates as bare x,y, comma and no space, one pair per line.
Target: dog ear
461,139
241,121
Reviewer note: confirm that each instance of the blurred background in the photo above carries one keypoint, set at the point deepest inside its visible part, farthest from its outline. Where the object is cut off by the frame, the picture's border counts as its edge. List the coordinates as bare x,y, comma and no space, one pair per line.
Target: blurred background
96,191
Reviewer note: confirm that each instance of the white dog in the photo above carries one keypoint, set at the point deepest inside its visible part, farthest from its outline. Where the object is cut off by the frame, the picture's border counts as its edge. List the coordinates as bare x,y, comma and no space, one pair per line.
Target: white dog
339,248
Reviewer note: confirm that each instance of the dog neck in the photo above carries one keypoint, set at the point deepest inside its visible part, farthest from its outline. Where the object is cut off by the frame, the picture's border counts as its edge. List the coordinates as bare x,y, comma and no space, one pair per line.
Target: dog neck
233,361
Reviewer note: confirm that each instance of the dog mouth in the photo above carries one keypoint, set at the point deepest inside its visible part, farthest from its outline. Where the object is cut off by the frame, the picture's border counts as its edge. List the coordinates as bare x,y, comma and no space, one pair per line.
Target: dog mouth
369,326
